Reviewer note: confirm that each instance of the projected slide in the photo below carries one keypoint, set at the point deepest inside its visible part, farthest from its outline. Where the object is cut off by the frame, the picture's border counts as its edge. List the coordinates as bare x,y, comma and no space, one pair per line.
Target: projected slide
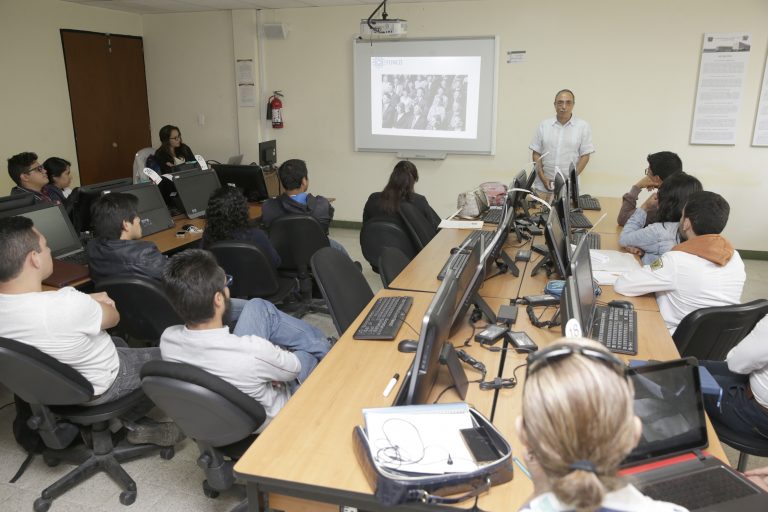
425,96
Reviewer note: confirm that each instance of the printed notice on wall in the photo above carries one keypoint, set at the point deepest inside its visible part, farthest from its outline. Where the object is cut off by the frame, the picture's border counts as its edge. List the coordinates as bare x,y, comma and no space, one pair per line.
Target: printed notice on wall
760,137
724,58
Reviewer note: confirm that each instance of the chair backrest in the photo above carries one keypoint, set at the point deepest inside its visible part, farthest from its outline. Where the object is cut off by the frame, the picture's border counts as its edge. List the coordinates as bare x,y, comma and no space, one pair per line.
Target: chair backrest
342,284
391,262
205,407
419,228
145,310
253,274
296,238
139,162
710,333
378,233
39,378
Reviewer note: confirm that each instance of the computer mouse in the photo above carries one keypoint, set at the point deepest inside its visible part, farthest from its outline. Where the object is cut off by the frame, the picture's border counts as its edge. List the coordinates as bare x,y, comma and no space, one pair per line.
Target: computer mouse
407,346
624,304
186,227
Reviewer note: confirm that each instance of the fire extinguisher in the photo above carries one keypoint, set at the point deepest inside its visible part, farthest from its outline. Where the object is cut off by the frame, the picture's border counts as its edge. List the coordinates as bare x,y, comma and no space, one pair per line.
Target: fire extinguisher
274,109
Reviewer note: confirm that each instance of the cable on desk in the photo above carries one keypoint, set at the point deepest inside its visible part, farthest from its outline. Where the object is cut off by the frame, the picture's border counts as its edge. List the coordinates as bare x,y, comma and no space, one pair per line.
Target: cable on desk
411,327
452,386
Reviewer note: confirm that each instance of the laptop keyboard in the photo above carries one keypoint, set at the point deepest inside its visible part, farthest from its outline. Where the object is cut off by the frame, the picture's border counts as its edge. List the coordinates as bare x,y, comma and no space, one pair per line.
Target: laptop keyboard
700,489
493,215
384,319
79,258
615,328
593,239
589,203
578,220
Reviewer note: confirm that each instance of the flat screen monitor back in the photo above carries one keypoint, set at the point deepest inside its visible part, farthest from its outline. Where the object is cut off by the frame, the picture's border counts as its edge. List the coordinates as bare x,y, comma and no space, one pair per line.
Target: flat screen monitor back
581,269
268,152
573,186
557,243
194,189
249,179
16,201
89,194
153,213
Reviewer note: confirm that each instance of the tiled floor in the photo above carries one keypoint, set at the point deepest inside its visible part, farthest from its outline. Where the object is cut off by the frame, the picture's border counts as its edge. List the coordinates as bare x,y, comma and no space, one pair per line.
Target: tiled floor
175,485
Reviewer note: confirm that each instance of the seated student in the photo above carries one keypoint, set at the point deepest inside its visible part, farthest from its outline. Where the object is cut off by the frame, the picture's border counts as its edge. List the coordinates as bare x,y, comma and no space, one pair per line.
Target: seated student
702,271
743,406
116,248
172,150
68,325
254,359
399,189
59,179
30,177
655,239
295,200
661,165
577,425
226,219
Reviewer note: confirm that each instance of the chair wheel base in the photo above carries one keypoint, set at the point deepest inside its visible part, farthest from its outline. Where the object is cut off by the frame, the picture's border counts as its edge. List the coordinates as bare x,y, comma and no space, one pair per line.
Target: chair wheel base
167,453
209,491
51,462
126,497
42,505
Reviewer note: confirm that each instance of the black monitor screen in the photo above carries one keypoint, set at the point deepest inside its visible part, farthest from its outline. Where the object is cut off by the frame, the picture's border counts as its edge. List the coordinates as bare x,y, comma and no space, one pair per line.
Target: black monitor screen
53,223
249,179
194,190
15,201
581,269
573,185
151,208
268,152
557,243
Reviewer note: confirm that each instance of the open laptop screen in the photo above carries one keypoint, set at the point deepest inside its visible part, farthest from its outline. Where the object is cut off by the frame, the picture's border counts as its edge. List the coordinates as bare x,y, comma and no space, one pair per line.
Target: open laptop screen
53,223
668,402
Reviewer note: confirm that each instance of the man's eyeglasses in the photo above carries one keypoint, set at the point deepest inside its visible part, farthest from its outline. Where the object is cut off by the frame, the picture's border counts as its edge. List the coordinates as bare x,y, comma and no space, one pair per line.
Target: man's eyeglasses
537,360
39,169
228,280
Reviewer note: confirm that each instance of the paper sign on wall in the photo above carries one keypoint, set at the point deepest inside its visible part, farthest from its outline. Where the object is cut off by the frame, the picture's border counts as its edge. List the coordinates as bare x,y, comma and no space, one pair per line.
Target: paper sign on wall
760,137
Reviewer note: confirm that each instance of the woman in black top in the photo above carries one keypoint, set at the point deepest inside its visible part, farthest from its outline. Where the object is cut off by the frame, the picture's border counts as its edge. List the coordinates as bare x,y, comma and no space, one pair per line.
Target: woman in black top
172,150
386,204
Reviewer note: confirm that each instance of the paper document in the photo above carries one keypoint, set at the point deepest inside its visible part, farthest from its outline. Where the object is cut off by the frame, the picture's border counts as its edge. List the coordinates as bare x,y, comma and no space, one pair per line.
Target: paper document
421,438
612,261
461,224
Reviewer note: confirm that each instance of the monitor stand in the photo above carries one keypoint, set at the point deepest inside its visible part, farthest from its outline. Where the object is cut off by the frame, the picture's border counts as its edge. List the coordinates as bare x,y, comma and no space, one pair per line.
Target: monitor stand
483,306
449,358
545,263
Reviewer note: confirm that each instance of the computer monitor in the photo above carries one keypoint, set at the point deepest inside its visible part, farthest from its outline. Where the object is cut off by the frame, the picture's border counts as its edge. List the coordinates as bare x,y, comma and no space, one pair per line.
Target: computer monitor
153,213
268,152
557,243
16,201
573,186
192,165
560,184
194,188
580,297
561,206
89,194
52,221
249,179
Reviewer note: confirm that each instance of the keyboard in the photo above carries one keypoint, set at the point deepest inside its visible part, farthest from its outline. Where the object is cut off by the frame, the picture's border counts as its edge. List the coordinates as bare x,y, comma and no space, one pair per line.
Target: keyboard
593,239
384,319
457,262
79,258
589,203
700,489
474,237
615,328
578,220
493,215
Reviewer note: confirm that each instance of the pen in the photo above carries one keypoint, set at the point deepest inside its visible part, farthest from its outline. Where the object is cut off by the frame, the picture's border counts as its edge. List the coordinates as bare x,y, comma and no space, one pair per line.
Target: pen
391,384
522,468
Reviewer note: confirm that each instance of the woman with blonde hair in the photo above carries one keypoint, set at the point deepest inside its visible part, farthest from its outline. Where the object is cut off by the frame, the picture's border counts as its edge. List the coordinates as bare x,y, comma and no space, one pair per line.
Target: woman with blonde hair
578,424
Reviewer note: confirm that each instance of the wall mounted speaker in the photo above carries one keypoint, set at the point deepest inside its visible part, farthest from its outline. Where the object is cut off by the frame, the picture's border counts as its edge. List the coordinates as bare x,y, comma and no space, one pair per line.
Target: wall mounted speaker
275,30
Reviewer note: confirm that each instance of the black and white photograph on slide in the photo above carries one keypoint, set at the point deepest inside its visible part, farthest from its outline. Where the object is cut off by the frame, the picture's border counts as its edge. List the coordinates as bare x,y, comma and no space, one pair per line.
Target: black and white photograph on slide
424,102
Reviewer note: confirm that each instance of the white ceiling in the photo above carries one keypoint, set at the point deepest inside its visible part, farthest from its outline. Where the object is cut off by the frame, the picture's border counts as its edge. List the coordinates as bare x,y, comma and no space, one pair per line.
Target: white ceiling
164,6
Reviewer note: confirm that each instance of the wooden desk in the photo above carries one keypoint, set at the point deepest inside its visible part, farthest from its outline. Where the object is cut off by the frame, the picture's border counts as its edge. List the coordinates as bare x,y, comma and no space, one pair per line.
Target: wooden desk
610,206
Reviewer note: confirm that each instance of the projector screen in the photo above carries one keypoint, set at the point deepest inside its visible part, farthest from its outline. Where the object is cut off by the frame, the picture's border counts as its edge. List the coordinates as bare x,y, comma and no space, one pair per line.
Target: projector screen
426,97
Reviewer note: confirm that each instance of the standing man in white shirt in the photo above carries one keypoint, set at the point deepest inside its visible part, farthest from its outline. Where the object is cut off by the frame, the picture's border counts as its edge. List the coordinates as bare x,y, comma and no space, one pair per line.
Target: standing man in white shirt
563,140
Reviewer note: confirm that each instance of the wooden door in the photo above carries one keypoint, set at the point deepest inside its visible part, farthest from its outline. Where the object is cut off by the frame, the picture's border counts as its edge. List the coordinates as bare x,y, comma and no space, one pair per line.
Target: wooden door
108,97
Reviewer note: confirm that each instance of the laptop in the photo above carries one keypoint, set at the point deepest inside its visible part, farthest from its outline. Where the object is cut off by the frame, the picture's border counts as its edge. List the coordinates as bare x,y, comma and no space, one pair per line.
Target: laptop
235,160
668,464
153,213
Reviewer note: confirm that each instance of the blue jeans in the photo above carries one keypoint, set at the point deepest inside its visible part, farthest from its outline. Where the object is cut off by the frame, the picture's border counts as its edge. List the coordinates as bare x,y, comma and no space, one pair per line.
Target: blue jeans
263,319
738,409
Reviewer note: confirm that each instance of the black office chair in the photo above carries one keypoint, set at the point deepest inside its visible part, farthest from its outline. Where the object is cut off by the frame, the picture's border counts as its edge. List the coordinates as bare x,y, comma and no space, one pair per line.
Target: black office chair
296,238
710,333
378,233
391,262
219,417
54,392
145,310
343,286
420,229
745,445
253,274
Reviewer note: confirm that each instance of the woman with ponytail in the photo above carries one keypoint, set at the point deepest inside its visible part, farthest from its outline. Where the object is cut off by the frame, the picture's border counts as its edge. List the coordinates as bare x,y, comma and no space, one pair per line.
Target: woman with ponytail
577,425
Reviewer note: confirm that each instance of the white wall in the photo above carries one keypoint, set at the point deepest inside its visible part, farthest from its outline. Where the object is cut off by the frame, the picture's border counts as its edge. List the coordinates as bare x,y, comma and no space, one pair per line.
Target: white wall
34,98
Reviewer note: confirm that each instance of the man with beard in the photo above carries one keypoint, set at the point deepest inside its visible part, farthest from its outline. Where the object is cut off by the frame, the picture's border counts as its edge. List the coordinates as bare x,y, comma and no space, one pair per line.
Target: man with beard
702,271
268,355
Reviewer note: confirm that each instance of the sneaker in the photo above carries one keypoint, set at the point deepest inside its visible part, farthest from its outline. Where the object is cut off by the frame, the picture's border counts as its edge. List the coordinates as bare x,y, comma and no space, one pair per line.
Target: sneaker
160,434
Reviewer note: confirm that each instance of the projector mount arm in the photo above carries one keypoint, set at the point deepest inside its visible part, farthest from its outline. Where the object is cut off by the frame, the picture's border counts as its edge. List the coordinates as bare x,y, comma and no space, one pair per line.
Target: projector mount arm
383,16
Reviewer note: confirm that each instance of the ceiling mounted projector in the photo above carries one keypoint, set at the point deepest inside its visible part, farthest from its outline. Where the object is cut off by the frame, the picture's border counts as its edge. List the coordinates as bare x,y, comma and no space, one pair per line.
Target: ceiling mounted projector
383,28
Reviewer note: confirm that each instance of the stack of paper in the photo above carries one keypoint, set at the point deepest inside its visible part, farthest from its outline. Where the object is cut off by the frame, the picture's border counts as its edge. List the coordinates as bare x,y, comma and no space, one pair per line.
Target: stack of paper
607,266
460,224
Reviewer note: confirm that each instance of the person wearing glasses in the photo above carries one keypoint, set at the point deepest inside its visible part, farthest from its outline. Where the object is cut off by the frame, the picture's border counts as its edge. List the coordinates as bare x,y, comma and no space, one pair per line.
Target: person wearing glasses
30,177
172,150
559,142
661,166
577,425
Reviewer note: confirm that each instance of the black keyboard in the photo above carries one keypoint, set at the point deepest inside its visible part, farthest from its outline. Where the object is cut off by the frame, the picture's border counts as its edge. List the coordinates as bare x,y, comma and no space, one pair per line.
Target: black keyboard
578,220
493,215
700,489
589,203
474,237
593,239
79,258
384,319
615,328
456,262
